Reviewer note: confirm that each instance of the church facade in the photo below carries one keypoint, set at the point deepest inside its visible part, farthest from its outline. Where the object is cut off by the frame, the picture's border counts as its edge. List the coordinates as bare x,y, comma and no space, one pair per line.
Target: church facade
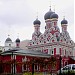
52,41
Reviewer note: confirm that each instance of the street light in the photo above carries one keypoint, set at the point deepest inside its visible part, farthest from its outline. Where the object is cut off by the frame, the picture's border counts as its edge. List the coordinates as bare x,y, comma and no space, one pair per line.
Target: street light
13,64
60,64
46,63
33,67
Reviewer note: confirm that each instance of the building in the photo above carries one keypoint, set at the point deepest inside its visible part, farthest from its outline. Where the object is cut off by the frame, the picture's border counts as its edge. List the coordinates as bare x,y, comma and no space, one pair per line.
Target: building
52,41
1,48
24,44
45,52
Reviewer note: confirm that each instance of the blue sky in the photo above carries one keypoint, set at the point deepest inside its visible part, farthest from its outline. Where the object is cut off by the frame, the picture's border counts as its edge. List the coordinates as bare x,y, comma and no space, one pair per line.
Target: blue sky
17,16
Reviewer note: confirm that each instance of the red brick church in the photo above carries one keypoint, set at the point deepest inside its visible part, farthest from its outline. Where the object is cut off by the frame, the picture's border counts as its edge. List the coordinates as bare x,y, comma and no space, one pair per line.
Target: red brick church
48,51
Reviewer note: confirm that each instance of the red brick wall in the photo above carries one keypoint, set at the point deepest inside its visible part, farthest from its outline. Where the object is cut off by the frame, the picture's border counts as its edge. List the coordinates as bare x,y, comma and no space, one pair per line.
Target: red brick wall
19,65
6,63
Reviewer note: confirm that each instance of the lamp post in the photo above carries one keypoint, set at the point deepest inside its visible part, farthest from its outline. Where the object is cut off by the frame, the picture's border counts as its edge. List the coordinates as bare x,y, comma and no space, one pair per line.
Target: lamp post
60,64
33,67
46,63
13,64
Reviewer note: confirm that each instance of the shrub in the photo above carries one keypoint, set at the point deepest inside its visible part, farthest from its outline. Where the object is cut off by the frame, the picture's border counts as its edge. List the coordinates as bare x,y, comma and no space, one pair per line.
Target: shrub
27,73
68,73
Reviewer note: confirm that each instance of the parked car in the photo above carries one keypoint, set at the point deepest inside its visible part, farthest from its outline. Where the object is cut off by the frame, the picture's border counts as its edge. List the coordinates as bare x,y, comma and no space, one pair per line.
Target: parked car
67,68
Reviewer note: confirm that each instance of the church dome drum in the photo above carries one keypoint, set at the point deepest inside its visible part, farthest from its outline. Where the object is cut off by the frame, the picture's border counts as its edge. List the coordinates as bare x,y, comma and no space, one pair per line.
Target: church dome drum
18,40
64,21
48,14
54,15
36,22
8,39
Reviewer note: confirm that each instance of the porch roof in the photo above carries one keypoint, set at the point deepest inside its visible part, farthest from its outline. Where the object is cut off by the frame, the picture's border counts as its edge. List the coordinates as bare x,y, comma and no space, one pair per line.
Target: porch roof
19,51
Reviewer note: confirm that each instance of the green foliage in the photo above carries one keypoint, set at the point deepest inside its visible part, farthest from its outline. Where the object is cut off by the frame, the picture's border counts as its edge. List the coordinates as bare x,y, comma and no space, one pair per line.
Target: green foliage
68,73
27,73
35,73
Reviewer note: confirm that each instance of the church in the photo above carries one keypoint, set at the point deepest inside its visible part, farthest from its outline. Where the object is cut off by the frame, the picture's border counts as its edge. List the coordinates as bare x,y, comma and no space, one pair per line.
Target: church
48,51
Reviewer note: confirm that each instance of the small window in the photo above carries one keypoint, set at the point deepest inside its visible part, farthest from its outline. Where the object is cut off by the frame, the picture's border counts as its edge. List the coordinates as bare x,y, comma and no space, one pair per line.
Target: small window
45,27
52,52
58,38
25,67
9,44
65,39
35,67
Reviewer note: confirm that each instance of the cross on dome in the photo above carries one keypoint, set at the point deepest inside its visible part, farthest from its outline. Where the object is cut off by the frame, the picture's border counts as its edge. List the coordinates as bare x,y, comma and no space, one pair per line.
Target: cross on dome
50,4
37,15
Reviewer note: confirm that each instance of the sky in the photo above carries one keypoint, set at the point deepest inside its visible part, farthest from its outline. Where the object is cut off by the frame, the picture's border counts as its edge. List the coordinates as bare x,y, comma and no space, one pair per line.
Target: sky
17,17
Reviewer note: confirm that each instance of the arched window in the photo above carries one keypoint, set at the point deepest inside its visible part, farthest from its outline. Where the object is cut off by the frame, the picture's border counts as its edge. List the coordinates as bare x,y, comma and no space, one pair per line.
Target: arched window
10,45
